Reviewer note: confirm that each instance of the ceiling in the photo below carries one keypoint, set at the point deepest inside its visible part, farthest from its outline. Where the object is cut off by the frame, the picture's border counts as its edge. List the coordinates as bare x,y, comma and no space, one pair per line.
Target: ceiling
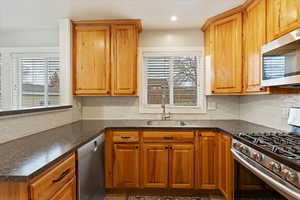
155,14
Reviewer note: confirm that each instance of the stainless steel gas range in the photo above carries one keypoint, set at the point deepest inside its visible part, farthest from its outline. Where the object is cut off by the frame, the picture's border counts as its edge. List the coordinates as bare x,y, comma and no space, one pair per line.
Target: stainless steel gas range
273,157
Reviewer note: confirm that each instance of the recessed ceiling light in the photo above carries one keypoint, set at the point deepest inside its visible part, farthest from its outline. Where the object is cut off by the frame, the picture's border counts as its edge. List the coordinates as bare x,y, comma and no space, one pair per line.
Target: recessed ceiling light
173,18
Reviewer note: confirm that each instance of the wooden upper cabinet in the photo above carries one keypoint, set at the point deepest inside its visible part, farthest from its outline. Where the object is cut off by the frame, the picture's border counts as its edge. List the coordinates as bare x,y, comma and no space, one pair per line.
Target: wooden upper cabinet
155,165
126,165
181,166
254,39
283,17
207,160
91,57
124,59
227,56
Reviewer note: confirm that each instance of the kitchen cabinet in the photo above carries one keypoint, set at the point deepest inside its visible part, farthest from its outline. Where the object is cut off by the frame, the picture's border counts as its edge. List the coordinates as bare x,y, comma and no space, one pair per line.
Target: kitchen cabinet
254,38
56,183
283,17
207,160
91,60
227,55
170,159
225,166
126,165
105,57
155,163
181,166
60,179
68,192
124,59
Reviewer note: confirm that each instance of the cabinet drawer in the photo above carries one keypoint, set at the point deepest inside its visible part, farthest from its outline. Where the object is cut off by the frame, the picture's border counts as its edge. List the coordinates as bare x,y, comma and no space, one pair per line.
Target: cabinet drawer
168,136
125,136
54,180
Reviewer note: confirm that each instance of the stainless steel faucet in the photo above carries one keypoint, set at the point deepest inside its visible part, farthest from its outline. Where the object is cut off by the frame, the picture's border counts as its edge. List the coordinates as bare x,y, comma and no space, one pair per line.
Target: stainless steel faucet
164,115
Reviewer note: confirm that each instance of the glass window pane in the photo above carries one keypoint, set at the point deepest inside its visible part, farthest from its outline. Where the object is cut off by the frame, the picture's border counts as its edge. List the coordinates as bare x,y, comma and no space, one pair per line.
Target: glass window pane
53,81
158,75
33,72
185,80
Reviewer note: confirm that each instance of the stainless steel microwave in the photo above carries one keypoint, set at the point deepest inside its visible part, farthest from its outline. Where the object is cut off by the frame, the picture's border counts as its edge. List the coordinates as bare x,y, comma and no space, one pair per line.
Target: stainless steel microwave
281,61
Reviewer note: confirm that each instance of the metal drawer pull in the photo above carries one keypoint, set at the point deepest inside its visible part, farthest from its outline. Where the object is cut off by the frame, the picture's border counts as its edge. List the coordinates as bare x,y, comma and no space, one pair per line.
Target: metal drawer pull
168,138
65,173
125,137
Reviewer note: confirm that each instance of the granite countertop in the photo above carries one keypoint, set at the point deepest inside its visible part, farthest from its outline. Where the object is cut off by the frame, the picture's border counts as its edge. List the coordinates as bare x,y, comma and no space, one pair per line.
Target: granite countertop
25,158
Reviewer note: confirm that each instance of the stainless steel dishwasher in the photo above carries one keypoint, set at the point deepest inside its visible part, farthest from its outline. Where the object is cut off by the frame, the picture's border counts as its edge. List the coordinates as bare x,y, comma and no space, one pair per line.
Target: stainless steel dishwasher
91,170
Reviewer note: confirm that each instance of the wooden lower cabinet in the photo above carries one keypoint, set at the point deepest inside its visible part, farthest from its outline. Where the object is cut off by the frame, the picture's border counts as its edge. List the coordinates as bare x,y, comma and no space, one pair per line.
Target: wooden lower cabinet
68,192
56,183
225,166
181,166
201,161
207,160
155,165
126,165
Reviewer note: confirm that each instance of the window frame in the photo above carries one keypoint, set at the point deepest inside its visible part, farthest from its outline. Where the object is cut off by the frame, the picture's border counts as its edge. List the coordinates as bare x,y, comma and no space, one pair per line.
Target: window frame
8,60
172,51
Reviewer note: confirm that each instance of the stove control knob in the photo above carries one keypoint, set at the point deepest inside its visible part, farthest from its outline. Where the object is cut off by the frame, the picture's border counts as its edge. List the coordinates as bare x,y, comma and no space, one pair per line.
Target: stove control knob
290,176
275,167
257,157
238,146
245,149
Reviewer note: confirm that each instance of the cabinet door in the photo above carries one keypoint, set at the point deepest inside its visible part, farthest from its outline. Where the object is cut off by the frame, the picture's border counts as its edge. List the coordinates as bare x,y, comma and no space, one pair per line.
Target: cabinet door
289,15
68,192
283,17
254,39
225,167
227,61
181,166
91,59
124,59
207,158
208,44
155,162
126,165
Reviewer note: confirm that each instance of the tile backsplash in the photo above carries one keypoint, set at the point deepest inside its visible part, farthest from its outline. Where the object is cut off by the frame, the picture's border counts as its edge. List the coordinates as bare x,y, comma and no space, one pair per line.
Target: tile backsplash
227,107
268,110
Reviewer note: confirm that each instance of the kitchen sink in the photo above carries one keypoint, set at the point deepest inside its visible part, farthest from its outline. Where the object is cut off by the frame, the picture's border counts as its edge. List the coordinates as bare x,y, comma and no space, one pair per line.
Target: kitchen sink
165,123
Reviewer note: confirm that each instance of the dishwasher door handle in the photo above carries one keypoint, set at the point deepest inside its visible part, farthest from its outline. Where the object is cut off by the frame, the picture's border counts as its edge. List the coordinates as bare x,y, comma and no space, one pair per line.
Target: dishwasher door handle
96,146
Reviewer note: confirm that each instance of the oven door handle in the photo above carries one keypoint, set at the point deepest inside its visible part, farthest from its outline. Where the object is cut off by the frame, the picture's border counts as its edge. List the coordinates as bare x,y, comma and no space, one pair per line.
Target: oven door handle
290,192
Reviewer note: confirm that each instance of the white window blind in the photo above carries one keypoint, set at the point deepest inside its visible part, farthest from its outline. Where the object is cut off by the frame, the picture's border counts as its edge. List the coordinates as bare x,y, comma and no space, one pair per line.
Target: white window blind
173,76
37,80
177,75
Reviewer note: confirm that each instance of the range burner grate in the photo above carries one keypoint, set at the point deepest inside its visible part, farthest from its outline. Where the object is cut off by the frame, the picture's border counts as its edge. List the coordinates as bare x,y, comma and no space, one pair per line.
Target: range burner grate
284,144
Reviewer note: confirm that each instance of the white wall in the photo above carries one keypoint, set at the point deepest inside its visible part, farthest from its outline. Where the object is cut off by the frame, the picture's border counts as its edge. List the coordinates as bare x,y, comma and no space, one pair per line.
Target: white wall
29,38
13,127
268,110
128,107
171,38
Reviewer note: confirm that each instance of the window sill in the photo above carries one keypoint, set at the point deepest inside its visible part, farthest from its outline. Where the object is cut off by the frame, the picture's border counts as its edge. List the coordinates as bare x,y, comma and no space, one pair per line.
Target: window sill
33,110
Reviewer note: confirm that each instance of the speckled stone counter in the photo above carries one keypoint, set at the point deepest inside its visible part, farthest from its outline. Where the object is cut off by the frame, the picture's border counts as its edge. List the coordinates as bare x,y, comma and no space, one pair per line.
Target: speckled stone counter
24,158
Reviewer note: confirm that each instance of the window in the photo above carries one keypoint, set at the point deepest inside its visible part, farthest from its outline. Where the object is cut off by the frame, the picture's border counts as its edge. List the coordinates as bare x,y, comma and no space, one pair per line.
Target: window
38,84
175,77
33,78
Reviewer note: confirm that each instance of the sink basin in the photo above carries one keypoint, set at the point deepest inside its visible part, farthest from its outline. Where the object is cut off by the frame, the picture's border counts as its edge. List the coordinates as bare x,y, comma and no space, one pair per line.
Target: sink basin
165,123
